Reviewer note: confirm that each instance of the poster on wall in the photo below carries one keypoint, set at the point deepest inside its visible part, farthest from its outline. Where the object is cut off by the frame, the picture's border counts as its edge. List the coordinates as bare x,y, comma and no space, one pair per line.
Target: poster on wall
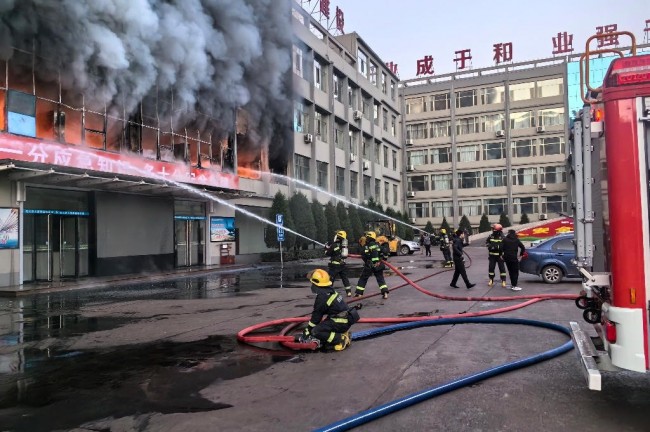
9,228
222,229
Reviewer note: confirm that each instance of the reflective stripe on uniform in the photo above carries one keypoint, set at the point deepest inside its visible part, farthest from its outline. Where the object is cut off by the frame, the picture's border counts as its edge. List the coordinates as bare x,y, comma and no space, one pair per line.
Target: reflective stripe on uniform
311,324
495,253
383,286
360,288
331,337
335,262
331,299
340,320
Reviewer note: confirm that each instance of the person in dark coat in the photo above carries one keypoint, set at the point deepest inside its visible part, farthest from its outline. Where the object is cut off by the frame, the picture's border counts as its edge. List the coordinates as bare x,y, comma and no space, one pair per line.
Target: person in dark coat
512,244
457,246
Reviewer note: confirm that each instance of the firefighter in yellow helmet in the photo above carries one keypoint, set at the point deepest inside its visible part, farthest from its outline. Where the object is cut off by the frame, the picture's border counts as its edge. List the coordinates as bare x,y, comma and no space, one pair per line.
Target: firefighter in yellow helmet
443,240
332,331
373,259
494,244
338,252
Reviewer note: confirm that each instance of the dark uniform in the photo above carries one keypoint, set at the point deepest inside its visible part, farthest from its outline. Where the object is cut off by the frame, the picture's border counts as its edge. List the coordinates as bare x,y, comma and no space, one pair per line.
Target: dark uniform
444,247
330,330
336,266
494,244
373,265
459,262
512,245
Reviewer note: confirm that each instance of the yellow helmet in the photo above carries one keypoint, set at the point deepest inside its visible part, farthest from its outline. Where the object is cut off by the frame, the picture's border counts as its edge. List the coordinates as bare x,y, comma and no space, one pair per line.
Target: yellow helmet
342,234
371,234
442,230
320,277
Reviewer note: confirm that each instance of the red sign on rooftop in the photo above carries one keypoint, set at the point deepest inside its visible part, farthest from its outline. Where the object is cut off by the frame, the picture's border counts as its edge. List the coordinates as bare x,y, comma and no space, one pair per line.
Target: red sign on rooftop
425,66
562,43
340,20
605,38
325,8
502,52
462,57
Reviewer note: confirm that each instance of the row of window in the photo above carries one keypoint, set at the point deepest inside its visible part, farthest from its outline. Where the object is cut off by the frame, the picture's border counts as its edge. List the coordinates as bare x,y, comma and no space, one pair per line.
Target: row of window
488,178
390,189
486,123
490,206
528,147
321,120
486,96
370,70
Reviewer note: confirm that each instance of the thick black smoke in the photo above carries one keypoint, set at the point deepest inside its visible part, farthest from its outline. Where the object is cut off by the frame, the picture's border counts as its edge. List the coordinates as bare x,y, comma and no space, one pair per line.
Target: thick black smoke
211,55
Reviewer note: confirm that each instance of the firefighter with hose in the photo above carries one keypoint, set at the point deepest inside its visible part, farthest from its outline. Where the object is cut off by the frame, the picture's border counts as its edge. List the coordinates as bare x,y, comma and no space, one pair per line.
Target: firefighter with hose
373,264
338,252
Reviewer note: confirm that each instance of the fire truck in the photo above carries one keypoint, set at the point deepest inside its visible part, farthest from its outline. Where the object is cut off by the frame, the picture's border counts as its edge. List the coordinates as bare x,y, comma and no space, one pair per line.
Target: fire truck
609,160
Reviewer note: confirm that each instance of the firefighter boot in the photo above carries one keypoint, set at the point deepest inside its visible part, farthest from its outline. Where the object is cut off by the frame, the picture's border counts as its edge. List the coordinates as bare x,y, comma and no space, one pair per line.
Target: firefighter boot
348,292
384,293
491,282
345,342
503,283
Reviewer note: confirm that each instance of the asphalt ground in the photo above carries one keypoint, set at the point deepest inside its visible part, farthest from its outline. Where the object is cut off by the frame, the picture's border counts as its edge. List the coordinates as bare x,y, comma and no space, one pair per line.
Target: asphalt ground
241,388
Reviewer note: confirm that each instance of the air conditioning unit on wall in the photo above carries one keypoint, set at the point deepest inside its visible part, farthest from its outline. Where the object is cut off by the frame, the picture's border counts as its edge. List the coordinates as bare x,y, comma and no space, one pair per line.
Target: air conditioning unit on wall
357,115
413,220
353,157
410,167
541,186
543,216
409,142
309,138
540,129
366,165
410,194
500,133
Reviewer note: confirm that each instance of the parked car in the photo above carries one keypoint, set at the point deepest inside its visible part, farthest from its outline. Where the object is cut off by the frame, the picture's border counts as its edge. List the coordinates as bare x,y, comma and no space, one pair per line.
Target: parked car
552,259
408,247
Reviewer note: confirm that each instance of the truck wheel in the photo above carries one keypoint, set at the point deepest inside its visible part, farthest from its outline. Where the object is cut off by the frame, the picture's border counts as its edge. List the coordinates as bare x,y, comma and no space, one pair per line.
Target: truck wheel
404,250
552,274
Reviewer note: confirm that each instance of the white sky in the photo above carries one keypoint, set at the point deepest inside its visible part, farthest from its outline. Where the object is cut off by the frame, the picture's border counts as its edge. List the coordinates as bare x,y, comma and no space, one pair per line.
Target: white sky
406,30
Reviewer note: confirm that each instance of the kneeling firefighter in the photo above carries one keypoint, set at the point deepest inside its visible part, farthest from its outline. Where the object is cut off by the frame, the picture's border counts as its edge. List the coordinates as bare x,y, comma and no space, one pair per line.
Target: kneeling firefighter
338,252
373,259
333,330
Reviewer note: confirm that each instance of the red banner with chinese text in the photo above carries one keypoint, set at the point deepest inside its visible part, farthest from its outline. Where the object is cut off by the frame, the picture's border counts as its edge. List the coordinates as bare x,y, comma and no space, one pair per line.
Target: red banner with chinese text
550,229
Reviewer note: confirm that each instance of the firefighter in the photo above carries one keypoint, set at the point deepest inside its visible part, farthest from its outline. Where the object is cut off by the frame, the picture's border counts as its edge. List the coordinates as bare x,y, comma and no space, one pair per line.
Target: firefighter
338,252
373,259
443,238
332,331
494,244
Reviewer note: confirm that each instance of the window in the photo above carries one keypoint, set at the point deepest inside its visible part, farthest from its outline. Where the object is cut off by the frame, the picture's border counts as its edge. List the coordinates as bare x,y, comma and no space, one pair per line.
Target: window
492,151
372,73
337,88
466,98
524,176
362,62
442,209
365,108
385,157
441,129
469,180
392,89
386,192
417,157
492,95
554,204
352,97
521,120
353,142
419,210
316,31
467,126
549,88
494,178
394,160
298,16
375,114
495,206
441,155
493,122
302,168
377,190
526,205
524,148
393,126
551,146
394,194
297,61
522,91
552,175
416,131
339,142
320,125
469,207
378,153
340,181
418,183
469,153
354,184
321,171
440,102
320,78
441,182
299,117
550,117
366,187
365,146
385,120
564,245
383,82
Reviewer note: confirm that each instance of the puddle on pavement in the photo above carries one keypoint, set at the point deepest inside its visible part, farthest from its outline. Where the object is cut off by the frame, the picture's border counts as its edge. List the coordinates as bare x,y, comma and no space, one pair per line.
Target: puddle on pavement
61,390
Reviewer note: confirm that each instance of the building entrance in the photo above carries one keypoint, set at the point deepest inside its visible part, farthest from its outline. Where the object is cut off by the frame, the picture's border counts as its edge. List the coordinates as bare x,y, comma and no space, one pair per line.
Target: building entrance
190,246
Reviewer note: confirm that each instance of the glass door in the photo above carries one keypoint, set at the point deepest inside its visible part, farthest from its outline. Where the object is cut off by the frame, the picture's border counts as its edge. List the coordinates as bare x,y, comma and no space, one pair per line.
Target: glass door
42,247
68,247
196,234
181,234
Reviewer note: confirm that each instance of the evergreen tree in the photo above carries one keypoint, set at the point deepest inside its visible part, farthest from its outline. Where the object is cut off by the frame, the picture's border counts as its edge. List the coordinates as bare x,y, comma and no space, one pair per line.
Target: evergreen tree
465,225
279,205
355,223
504,221
484,224
524,219
429,227
302,219
445,225
332,219
408,231
344,220
320,221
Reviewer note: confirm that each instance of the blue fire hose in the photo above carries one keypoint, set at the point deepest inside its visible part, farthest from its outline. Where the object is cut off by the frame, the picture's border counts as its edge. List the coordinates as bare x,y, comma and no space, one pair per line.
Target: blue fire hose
398,404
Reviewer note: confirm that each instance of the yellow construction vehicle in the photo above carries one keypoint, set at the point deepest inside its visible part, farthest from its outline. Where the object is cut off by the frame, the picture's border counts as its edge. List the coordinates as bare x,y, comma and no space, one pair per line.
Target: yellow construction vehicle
386,234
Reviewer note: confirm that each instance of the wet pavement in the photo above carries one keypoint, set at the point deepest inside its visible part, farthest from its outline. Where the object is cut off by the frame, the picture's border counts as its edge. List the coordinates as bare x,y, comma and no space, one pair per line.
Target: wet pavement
163,356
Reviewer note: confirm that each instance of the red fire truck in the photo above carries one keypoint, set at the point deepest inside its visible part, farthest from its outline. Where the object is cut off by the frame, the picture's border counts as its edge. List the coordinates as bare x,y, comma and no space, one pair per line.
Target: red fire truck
609,160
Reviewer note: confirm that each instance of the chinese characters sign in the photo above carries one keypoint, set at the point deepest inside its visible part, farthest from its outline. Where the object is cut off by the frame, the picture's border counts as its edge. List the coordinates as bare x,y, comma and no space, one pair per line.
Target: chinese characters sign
551,229
87,159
